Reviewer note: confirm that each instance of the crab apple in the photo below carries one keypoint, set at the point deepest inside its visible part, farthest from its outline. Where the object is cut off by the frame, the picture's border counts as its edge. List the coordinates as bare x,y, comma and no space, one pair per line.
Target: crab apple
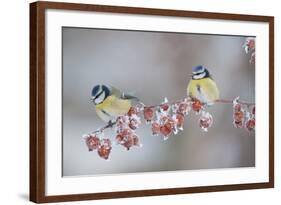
155,127
205,121
104,148
148,113
238,124
197,106
133,111
166,129
180,120
165,107
250,124
93,142
254,110
133,124
104,151
237,107
128,142
183,108
238,116
136,140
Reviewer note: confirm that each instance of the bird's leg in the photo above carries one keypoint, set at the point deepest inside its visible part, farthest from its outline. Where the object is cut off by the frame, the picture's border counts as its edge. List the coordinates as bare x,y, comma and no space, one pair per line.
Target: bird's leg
110,123
194,99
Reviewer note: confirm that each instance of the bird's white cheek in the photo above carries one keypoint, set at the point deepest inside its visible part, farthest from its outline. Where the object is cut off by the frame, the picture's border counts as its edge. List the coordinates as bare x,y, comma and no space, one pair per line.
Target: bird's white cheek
100,99
199,76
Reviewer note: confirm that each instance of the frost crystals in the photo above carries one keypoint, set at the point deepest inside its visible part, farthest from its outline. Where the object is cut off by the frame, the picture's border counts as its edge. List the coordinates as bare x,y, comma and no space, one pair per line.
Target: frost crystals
243,115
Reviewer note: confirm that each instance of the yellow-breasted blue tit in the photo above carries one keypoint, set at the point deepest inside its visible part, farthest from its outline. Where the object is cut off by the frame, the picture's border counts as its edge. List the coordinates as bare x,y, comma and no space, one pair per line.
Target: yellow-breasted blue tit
110,102
202,87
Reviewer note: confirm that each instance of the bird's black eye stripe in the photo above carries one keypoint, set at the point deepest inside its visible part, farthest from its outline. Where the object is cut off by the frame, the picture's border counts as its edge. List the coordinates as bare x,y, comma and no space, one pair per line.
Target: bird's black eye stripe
98,95
199,73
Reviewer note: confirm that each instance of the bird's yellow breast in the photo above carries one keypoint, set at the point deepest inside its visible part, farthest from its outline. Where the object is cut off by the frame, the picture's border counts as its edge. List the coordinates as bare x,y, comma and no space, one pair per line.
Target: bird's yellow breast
112,106
205,90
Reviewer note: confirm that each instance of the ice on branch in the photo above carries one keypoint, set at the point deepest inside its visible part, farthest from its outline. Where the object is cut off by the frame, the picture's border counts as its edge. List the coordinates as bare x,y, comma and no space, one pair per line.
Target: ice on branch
126,126
250,48
102,146
92,141
165,120
205,121
197,106
243,115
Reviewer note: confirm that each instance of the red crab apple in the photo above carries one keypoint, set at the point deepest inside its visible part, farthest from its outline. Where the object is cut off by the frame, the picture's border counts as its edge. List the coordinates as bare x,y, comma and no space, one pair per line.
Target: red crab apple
165,107
237,107
250,124
148,113
180,120
254,110
238,116
105,148
155,127
133,111
166,129
251,44
238,124
134,123
131,140
104,151
205,121
183,108
92,141
197,106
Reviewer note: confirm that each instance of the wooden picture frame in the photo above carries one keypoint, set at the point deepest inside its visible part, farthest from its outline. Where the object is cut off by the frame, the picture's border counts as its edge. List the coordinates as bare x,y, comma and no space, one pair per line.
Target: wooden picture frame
38,90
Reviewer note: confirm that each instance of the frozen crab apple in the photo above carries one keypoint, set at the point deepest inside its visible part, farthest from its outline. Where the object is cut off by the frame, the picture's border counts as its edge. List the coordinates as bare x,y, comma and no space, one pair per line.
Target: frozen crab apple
148,113
205,121
155,127
238,116
104,148
165,119
93,142
180,120
127,138
250,124
197,106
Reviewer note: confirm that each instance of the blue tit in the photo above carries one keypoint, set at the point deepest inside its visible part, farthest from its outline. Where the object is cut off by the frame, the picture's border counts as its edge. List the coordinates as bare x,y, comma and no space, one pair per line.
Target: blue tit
202,87
110,102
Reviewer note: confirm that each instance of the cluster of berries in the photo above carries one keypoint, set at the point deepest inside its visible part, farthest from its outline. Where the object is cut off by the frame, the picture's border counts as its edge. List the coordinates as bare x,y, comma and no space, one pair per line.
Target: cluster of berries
243,115
166,119
250,47
103,146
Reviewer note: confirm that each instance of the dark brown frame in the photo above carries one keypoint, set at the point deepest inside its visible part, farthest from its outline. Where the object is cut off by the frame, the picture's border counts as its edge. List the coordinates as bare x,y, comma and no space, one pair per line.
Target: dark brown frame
37,101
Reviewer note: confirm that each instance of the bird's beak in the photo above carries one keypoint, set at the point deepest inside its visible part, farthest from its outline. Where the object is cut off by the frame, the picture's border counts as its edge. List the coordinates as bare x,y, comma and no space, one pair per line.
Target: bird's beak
92,100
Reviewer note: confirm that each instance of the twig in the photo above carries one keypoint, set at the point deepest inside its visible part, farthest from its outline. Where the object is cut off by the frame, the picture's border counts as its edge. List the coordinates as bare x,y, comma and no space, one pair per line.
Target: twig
231,102
110,124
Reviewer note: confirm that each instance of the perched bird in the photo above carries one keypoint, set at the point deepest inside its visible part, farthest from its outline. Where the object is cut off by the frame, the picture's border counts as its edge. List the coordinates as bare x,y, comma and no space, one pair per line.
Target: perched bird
110,102
202,87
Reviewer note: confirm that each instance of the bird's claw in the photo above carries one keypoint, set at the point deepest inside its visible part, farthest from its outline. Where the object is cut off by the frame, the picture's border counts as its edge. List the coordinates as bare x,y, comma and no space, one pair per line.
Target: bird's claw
110,123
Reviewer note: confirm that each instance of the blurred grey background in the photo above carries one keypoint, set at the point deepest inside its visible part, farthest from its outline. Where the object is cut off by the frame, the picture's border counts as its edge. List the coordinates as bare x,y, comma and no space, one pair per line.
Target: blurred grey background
154,65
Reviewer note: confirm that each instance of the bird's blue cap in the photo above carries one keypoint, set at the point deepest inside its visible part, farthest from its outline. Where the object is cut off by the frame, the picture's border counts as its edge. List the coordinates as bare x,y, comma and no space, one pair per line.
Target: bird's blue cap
198,69
100,88
95,90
